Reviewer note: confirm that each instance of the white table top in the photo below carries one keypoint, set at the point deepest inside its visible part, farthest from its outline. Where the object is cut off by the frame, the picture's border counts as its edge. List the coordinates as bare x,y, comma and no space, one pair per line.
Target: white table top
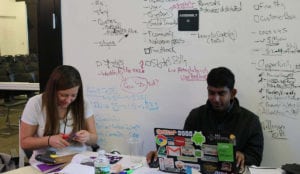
75,168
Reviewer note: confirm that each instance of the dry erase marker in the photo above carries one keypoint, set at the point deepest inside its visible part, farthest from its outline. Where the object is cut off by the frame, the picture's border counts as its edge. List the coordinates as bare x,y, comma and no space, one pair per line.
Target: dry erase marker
136,166
129,171
126,171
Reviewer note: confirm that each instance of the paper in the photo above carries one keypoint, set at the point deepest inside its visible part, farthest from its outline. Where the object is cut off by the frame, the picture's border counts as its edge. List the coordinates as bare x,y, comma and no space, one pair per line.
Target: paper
74,168
47,168
147,170
265,170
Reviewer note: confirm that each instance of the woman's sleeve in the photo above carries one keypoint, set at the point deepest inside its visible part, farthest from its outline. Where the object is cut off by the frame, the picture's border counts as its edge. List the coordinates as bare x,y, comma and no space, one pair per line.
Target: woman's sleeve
30,112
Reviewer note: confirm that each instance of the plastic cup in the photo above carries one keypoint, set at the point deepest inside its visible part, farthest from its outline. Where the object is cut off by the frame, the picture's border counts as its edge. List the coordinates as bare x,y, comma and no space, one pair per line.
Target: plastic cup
136,149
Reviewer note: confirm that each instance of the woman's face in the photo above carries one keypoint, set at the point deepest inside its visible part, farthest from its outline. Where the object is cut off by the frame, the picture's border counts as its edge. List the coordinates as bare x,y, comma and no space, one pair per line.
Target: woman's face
66,97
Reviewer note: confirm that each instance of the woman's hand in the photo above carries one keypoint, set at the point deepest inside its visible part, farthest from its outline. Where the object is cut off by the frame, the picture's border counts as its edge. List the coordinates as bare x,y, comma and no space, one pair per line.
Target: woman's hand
57,141
82,136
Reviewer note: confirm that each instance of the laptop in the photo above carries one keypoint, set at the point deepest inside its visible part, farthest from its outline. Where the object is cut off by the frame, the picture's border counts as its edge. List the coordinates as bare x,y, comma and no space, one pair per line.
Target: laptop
207,152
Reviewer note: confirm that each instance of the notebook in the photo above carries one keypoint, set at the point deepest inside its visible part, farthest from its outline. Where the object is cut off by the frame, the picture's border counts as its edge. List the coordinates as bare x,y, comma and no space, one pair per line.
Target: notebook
207,152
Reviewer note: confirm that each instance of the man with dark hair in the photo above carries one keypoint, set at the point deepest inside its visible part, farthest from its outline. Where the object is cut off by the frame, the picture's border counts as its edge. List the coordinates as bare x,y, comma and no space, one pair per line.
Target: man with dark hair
223,113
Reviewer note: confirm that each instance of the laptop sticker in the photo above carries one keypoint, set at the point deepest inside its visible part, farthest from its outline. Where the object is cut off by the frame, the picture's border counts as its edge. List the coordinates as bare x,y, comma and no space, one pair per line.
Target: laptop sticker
198,138
173,150
162,151
225,152
161,140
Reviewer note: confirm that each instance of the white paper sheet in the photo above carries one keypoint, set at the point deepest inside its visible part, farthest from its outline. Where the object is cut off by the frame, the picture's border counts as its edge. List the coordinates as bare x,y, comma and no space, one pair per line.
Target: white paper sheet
265,170
74,168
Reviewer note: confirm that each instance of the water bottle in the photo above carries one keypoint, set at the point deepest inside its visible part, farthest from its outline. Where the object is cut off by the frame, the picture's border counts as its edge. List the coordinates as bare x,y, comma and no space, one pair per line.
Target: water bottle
101,163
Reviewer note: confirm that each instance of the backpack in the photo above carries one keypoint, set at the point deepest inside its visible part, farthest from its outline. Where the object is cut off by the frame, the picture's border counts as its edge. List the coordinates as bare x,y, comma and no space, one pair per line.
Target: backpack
6,163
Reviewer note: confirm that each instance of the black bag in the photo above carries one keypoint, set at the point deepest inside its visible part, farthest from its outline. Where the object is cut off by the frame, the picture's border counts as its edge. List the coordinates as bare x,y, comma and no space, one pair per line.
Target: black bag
6,163
291,168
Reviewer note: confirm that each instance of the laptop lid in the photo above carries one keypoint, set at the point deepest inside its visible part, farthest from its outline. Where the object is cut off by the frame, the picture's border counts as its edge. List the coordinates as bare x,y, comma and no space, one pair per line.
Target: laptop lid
208,152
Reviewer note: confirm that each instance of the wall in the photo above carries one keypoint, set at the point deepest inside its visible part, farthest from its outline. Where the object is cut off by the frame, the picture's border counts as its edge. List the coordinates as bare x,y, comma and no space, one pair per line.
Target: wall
140,72
13,28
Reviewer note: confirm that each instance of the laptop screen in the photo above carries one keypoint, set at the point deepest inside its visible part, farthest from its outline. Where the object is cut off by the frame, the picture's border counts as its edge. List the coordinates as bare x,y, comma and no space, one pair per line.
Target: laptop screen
208,152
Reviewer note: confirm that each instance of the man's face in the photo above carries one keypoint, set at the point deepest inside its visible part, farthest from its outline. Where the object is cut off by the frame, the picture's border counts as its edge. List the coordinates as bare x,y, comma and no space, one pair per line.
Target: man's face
220,97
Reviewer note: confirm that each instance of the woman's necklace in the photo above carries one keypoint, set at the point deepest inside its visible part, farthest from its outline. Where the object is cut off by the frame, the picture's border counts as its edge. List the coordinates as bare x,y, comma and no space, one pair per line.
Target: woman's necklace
65,119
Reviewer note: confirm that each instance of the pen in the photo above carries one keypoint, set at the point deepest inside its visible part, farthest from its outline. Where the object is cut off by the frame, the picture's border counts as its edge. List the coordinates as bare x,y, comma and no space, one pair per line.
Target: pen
126,171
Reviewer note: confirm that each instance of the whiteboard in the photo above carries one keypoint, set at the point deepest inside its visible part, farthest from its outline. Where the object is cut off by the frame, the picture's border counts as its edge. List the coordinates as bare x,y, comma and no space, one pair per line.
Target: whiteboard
140,72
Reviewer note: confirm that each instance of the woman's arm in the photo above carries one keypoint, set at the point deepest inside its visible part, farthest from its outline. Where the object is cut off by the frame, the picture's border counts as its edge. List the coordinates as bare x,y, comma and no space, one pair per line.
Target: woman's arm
29,140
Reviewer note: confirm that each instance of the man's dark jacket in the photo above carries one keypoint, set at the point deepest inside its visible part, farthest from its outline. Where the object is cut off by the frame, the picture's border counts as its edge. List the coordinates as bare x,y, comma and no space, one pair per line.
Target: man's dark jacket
244,124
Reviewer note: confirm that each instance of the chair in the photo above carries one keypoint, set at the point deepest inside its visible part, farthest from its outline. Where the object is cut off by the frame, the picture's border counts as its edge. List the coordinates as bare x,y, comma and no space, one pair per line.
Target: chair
36,76
7,58
33,57
23,77
4,72
3,94
21,58
14,70
11,102
33,68
17,67
9,105
4,78
22,153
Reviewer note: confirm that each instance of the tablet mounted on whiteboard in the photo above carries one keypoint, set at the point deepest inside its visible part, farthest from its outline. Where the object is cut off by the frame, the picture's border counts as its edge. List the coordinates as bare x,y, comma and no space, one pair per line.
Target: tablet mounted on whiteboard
188,20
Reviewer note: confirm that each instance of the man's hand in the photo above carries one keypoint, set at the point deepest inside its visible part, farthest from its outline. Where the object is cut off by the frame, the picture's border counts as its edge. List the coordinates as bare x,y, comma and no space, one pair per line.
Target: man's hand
240,160
152,159
152,155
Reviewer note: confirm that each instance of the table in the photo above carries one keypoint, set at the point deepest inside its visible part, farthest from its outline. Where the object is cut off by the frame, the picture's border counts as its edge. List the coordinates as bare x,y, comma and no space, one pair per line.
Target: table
76,168
19,86
24,170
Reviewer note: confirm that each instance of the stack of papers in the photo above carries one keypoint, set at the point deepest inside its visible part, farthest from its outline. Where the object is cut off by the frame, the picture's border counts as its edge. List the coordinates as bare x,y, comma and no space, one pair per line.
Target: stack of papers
74,168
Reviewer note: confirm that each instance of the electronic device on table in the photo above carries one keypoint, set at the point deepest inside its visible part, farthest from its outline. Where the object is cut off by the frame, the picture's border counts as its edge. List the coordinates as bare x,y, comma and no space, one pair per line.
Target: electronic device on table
207,152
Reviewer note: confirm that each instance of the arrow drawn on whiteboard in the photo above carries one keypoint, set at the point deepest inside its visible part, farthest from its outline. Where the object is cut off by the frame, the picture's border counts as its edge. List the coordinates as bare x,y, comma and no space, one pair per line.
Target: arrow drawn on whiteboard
126,35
